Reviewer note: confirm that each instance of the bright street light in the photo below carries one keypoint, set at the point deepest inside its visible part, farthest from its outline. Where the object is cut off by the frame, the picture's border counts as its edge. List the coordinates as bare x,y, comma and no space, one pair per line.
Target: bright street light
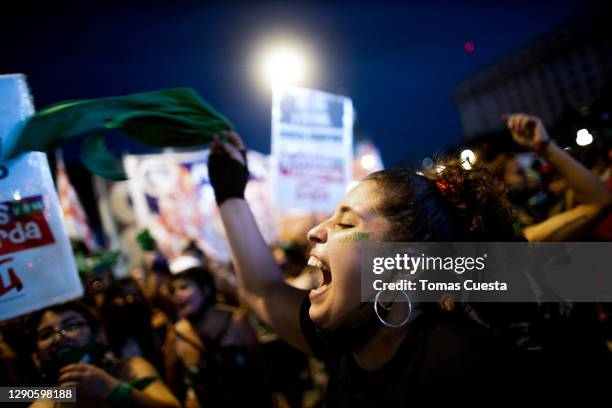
584,138
468,158
368,161
284,65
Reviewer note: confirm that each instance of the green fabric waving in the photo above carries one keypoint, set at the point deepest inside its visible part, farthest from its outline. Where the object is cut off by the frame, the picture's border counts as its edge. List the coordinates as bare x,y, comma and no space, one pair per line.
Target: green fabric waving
164,118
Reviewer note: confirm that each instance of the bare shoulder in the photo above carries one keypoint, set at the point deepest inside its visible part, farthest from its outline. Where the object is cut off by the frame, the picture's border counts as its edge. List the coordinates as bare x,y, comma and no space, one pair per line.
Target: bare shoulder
139,367
182,326
186,330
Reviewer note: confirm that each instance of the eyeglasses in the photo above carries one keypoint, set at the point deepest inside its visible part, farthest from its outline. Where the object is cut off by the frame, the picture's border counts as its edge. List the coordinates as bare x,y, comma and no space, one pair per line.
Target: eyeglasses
70,330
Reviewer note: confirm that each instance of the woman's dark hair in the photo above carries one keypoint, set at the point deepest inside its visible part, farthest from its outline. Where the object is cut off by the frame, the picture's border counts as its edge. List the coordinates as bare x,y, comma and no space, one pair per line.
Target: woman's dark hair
131,320
122,286
452,204
203,279
89,314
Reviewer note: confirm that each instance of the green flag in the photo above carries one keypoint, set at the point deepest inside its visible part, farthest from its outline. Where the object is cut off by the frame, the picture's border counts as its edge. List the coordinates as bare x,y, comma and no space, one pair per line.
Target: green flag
164,118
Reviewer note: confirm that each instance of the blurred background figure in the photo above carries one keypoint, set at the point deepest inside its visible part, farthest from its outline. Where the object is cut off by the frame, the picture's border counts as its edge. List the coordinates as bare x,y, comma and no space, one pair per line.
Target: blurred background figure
128,320
16,367
218,351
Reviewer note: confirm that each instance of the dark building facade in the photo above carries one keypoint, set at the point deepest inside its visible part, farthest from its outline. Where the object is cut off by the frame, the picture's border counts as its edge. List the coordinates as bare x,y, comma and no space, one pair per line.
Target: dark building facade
566,69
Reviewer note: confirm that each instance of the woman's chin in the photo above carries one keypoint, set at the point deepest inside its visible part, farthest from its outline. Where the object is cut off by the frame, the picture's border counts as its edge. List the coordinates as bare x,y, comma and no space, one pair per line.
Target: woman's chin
322,314
319,315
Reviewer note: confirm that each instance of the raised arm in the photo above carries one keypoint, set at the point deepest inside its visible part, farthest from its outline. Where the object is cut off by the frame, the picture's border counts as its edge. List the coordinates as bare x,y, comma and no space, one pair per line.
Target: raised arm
528,131
259,277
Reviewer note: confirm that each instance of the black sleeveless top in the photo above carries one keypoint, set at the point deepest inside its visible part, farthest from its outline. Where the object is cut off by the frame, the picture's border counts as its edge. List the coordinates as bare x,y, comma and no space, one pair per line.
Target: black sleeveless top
445,356
225,376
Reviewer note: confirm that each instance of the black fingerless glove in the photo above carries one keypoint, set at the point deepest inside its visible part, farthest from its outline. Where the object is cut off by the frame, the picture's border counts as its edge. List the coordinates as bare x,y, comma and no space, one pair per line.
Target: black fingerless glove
228,177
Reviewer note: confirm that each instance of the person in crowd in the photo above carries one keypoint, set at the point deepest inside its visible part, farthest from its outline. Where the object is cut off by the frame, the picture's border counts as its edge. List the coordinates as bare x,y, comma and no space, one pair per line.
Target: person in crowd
128,317
290,371
157,290
222,272
152,282
221,359
531,201
435,352
595,200
152,278
139,274
16,368
95,284
69,349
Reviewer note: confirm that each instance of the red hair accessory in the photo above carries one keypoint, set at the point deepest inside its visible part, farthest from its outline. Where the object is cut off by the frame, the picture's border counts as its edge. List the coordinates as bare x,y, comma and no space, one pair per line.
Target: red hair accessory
446,188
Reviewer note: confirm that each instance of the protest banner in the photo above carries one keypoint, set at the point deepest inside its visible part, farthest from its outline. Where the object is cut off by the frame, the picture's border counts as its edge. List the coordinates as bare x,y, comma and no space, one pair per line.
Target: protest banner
75,218
37,268
312,148
173,198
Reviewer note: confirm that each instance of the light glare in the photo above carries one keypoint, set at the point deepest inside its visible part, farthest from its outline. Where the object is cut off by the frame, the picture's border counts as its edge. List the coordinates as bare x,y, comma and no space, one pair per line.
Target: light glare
368,161
285,66
584,138
468,158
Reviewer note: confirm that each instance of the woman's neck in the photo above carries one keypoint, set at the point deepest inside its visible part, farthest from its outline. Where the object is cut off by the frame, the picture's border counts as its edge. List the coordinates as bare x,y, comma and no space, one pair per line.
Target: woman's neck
384,344
380,349
209,322
198,317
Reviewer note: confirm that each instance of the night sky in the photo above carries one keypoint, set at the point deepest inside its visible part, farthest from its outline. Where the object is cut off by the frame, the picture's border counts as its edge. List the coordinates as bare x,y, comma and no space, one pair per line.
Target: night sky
399,63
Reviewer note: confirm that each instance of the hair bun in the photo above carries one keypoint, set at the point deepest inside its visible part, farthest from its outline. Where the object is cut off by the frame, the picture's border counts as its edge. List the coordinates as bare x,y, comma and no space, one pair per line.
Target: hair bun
479,201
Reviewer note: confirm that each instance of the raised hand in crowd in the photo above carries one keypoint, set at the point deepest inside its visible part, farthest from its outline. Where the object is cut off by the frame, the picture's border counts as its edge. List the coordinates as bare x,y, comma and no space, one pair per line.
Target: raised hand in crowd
595,201
258,273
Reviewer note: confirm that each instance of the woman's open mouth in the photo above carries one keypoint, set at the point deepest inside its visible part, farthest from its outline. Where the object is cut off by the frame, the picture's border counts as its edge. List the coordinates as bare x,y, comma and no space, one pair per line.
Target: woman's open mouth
326,278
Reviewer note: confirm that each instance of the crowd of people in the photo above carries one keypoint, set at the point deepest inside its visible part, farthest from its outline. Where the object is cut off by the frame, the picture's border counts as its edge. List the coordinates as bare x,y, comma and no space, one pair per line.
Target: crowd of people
289,328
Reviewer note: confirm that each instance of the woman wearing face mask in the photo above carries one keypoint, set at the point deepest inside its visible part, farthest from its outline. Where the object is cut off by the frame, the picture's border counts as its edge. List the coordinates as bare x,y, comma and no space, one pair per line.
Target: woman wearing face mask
69,349
434,354
216,347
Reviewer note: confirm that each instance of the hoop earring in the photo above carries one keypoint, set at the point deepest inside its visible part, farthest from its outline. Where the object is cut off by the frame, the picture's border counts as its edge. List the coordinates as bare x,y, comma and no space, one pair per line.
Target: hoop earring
392,325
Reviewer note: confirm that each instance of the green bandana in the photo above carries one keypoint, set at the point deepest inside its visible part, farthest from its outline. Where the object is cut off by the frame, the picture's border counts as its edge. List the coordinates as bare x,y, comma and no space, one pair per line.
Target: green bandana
167,117
95,262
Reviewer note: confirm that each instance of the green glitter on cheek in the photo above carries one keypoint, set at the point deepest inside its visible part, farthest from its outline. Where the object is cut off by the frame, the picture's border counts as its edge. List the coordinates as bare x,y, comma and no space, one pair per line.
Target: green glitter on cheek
355,236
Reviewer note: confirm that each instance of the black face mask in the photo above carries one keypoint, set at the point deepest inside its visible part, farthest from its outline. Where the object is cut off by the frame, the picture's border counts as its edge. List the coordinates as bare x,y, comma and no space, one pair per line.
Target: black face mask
50,368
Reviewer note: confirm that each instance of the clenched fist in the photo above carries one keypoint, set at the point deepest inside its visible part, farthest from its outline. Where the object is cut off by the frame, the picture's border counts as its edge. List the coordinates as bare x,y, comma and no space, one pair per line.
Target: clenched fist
528,131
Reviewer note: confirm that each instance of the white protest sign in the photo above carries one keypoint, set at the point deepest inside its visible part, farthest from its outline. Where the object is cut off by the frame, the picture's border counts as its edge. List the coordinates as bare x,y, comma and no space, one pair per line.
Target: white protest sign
173,198
37,268
312,148
15,108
